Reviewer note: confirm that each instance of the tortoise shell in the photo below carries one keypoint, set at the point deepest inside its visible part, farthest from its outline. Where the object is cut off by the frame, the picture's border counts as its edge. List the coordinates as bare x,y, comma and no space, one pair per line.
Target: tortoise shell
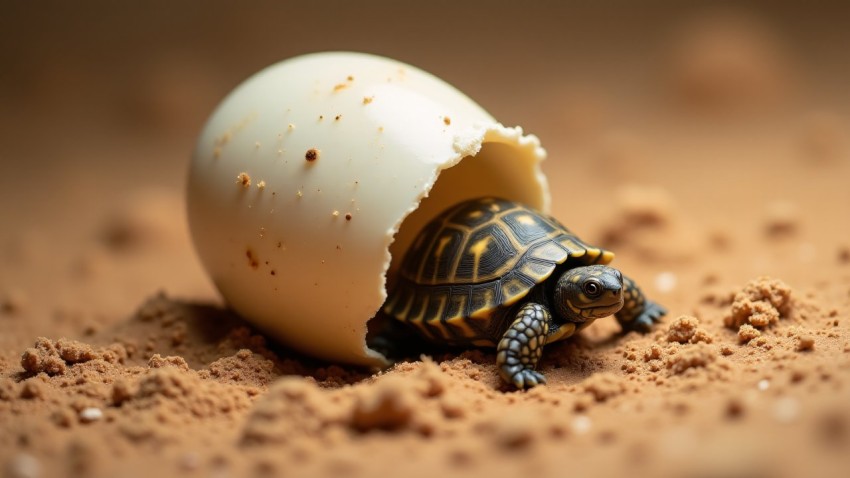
475,261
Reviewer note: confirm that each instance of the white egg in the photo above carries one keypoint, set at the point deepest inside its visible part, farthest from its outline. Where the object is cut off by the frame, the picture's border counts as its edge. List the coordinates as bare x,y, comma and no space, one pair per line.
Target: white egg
309,181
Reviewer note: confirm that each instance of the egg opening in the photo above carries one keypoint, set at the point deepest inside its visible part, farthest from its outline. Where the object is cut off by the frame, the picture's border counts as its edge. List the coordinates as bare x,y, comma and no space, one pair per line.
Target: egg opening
355,154
498,169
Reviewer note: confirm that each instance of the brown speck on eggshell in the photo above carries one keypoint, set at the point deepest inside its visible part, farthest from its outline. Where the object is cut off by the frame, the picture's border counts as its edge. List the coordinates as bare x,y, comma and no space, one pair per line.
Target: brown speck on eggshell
368,99
244,179
348,216
223,139
337,117
342,86
252,258
312,154
447,120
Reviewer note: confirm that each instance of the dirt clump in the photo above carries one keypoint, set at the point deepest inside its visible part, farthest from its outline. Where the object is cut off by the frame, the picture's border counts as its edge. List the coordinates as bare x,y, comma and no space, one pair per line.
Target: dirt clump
762,302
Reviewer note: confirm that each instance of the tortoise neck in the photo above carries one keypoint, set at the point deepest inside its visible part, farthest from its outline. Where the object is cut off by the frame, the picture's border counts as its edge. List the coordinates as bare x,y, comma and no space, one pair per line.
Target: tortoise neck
559,304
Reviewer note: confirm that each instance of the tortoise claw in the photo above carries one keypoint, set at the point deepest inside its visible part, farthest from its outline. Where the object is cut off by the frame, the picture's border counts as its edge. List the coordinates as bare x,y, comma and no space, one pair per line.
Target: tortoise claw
527,378
650,315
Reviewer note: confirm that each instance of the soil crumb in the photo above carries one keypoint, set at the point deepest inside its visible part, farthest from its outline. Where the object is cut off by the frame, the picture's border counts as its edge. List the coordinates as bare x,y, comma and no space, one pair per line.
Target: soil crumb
54,357
699,355
760,303
685,329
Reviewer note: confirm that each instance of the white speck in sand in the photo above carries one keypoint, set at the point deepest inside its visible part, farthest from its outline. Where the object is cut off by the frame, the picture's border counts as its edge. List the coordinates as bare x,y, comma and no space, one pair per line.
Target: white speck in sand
91,414
666,282
581,424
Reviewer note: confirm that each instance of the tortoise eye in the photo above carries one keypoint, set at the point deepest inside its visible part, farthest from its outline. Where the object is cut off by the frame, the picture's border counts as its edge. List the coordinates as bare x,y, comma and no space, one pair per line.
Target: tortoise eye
592,288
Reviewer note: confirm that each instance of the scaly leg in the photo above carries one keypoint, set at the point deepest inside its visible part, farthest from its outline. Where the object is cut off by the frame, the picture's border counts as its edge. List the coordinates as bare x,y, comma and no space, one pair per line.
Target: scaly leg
638,312
522,345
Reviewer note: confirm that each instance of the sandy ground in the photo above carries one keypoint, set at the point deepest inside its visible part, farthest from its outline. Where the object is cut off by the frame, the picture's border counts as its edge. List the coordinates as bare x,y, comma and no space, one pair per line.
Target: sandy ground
710,149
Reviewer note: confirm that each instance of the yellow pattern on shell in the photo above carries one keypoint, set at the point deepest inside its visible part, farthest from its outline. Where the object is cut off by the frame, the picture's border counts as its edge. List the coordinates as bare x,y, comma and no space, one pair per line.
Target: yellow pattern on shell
478,249
512,291
488,307
460,323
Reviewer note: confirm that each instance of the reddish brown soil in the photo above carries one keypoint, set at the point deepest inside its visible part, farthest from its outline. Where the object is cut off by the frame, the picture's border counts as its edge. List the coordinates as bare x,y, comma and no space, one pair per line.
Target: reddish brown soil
710,150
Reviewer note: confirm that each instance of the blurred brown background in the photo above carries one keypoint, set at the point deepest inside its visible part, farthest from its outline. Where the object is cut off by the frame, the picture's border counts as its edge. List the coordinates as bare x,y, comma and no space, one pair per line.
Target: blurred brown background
78,75
81,78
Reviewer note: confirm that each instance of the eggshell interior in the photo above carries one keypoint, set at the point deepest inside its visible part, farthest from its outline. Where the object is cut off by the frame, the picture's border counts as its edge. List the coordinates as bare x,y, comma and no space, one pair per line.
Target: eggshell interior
311,179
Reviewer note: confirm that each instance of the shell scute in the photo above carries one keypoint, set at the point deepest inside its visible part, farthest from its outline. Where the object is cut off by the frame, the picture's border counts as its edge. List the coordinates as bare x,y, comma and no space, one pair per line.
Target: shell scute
487,254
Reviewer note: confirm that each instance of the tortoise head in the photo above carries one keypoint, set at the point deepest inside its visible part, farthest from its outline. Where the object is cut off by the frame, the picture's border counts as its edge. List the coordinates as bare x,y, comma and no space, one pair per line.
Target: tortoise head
589,292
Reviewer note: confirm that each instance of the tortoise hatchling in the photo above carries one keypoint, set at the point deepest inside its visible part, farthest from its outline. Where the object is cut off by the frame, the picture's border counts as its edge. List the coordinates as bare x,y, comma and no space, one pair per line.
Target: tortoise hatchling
492,272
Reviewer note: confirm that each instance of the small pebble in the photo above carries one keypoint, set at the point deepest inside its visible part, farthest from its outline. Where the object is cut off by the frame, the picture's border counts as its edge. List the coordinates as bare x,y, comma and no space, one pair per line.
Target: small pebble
91,414
805,343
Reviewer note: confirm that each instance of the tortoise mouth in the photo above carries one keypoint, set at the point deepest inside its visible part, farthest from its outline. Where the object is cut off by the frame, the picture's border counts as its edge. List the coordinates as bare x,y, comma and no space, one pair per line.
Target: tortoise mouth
603,310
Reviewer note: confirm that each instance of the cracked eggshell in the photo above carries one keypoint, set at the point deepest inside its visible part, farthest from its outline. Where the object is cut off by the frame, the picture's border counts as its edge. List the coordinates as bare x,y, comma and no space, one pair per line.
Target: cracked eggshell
311,179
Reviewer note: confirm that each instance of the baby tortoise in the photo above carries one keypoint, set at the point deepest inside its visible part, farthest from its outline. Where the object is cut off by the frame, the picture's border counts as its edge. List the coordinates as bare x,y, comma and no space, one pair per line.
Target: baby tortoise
492,272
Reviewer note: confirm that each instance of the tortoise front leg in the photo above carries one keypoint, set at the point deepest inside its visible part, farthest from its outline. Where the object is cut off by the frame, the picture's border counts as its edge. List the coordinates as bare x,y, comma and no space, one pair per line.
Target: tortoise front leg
522,345
638,312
